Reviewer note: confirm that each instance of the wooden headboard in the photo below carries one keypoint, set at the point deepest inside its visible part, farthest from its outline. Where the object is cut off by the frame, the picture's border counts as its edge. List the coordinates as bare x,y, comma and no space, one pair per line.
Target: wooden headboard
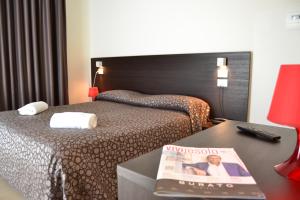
184,74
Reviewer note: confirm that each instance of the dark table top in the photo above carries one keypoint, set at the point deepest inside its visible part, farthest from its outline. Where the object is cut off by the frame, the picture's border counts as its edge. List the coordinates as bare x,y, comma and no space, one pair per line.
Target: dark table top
258,155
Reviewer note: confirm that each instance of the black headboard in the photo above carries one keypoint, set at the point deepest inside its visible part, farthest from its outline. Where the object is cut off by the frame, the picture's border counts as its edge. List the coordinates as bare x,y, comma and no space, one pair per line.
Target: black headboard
184,74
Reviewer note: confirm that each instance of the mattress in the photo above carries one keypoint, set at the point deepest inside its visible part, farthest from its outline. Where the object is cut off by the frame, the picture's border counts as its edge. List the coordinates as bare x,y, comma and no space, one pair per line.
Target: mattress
46,163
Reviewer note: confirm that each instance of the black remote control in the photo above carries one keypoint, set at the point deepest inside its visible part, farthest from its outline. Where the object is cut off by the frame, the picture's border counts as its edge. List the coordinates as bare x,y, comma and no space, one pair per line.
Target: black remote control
259,133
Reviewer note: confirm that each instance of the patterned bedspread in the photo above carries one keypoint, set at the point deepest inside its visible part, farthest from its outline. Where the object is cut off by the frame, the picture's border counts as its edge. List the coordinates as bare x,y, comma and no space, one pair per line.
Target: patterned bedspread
45,163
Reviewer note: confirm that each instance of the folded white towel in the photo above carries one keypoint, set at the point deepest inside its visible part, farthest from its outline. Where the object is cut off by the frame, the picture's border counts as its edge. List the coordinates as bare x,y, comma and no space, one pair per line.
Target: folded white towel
73,120
33,108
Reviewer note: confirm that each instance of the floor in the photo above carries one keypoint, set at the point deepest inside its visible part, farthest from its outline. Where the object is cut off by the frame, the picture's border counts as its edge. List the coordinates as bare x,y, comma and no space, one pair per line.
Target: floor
7,192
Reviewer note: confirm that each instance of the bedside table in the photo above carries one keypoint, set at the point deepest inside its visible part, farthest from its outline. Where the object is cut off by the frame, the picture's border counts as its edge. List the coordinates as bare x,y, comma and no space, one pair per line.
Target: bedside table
137,177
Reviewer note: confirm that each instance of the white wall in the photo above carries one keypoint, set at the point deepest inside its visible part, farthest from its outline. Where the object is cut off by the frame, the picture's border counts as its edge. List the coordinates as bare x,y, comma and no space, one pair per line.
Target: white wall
273,44
78,50
141,27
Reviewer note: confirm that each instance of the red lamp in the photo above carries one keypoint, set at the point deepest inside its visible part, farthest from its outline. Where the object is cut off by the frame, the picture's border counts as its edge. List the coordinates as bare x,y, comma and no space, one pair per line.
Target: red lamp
93,92
285,110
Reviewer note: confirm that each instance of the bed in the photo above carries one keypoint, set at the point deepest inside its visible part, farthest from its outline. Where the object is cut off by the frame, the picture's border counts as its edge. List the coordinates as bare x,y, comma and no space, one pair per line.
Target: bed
46,163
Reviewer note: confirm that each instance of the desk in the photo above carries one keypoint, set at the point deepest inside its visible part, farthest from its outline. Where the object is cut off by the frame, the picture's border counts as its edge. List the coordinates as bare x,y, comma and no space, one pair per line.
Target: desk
137,177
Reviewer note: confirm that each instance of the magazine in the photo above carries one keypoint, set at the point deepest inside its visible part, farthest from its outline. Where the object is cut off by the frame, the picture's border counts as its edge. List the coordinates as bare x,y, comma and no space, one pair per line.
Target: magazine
204,173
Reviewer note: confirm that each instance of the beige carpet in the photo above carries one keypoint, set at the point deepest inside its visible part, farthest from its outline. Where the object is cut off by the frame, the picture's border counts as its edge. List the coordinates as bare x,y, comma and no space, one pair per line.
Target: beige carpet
7,192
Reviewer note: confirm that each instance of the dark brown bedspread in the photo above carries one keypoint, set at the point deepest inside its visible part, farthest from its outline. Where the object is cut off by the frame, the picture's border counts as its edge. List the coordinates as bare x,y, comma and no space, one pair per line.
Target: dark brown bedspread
45,163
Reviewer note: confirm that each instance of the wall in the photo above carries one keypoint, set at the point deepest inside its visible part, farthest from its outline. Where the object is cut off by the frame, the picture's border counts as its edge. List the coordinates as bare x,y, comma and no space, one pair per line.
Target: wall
273,44
141,27
78,50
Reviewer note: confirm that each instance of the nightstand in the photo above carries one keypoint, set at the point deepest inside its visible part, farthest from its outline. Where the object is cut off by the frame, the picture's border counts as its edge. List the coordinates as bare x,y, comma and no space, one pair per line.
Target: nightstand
137,177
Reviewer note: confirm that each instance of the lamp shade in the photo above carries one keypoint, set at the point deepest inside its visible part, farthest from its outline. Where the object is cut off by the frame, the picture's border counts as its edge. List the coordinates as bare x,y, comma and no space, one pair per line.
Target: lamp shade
285,106
93,91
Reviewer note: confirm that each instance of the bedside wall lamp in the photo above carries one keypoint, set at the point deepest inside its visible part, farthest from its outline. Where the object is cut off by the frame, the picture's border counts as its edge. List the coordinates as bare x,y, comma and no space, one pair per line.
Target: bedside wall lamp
100,67
222,76
94,91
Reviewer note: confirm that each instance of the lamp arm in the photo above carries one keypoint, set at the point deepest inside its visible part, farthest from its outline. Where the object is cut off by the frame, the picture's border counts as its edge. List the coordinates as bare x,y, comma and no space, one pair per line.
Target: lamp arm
95,79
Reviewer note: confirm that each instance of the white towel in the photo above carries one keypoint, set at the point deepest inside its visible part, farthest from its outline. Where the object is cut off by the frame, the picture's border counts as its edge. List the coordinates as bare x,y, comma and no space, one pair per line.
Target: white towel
33,108
73,120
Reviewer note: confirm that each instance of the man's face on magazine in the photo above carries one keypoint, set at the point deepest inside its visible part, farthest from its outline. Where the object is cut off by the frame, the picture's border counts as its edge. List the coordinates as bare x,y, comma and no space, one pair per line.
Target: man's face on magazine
214,159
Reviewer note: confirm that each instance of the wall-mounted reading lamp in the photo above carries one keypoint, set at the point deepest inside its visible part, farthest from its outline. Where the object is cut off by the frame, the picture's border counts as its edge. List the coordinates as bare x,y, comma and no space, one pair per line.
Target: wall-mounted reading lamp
93,91
222,80
100,68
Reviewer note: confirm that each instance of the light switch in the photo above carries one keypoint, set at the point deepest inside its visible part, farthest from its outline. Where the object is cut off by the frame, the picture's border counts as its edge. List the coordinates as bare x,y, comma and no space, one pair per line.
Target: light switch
293,20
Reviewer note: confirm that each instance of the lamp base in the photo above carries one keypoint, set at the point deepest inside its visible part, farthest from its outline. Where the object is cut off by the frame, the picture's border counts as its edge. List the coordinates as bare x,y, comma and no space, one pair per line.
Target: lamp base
291,167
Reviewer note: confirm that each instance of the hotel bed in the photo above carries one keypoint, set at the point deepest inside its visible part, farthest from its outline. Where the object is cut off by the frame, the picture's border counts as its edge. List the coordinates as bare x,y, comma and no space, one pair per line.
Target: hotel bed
47,163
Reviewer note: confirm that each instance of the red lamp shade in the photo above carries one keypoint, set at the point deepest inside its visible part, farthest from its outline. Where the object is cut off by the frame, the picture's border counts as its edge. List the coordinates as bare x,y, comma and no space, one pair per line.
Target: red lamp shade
285,107
93,92
285,110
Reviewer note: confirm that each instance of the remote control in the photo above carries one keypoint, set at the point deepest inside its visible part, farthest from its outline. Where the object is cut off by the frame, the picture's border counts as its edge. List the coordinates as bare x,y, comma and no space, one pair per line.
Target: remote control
259,133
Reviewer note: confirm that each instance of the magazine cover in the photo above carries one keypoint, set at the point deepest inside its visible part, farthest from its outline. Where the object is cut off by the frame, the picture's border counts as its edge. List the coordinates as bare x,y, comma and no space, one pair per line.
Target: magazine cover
204,172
